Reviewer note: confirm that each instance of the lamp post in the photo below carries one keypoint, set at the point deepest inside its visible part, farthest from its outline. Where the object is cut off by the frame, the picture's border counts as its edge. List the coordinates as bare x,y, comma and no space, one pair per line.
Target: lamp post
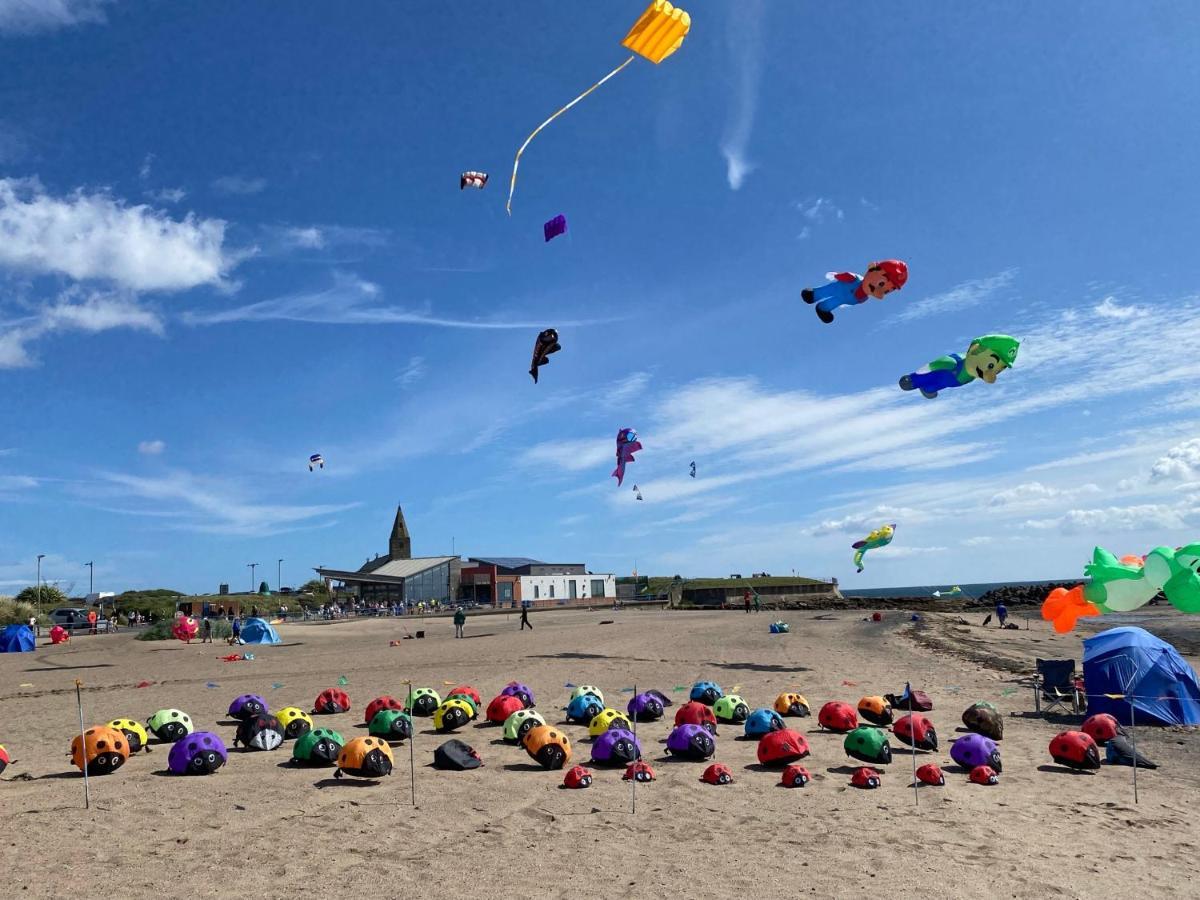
41,556
91,572
278,575
252,567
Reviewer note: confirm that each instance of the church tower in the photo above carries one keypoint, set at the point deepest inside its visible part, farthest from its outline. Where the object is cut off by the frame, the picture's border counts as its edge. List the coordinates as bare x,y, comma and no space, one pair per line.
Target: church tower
400,543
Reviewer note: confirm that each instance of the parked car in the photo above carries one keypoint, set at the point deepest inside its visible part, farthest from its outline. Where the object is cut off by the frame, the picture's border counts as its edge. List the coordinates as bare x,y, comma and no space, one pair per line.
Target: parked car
75,618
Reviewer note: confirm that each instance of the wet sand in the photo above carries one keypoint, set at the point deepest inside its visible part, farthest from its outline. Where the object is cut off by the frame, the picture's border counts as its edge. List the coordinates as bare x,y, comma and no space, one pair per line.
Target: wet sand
508,829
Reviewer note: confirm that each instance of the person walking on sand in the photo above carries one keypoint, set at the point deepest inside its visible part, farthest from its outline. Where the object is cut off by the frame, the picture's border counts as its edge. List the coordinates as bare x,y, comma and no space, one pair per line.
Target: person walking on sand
525,618
1001,613
206,631
91,621
460,619
757,603
236,625
746,600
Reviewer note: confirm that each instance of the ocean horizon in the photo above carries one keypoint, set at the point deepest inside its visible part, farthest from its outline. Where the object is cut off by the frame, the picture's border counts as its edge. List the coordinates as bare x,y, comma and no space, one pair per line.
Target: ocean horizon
969,589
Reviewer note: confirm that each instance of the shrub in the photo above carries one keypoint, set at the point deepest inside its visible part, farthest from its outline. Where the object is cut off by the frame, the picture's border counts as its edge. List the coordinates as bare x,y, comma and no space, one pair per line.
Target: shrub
14,612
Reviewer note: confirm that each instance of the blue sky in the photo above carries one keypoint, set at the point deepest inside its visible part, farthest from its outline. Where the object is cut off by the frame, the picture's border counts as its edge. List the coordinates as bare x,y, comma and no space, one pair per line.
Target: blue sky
231,235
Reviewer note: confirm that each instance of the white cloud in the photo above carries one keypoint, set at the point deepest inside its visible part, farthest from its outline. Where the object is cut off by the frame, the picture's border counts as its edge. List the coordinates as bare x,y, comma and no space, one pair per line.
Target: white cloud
1180,462
1157,516
166,195
25,16
309,238
96,237
1034,492
863,522
238,185
960,297
413,372
289,238
147,166
151,448
1110,309
819,209
744,38
74,311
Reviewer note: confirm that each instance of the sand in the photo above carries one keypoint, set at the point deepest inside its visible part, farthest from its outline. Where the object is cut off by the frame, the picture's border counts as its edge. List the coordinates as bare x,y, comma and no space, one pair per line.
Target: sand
263,828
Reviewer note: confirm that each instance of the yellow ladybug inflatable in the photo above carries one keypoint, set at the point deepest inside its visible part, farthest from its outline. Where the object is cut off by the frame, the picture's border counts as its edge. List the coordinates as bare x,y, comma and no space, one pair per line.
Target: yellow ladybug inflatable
295,722
452,714
102,750
365,757
608,718
548,745
135,734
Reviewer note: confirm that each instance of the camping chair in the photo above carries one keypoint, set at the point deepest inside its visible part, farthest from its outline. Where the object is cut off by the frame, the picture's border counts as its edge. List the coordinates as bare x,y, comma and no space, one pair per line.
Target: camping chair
1055,685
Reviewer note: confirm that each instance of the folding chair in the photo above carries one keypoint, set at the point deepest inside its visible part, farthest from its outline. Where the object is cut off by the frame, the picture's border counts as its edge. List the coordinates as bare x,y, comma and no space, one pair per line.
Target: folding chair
1055,685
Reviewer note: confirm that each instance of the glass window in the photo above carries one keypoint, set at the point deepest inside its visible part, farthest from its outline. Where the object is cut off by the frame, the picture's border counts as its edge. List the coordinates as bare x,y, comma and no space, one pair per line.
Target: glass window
536,592
551,591
572,589
597,587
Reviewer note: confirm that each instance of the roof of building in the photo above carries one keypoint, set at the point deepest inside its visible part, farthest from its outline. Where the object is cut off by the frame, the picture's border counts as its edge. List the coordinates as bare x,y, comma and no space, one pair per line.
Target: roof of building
508,562
396,568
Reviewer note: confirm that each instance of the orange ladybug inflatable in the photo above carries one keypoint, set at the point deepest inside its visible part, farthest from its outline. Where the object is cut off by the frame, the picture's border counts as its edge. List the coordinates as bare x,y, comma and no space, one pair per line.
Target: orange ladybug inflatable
875,710
548,745
102,750
365,757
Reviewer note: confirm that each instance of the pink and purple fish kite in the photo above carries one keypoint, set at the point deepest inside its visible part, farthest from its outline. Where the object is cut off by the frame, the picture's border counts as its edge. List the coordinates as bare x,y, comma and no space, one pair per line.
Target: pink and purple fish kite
627,445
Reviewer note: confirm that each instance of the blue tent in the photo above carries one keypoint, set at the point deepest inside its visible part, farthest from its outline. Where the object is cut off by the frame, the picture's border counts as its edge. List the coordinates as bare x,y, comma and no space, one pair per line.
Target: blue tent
16,639
259,631
1133,662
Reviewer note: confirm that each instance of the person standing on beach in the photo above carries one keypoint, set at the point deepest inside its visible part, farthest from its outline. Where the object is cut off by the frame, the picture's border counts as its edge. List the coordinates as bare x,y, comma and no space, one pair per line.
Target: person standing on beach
757,602
746,600
237,631
206,631
460,619
525,618
1001,613
91,621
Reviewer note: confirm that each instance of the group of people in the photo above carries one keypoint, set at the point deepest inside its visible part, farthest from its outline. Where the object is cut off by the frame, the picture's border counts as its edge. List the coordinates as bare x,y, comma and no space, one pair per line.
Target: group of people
460,619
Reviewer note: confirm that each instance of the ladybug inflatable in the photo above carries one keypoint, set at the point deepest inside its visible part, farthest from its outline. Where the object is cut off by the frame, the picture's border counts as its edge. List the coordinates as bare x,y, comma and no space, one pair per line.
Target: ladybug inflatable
717,773
422,701
983,775
4,759
762,721
134,733
260,733
875,710
520,691
582,709
706,692
865,778
380,703
331,701
606,719
391,725
691,742
502,707
870,745
170,725
647,707
973,750
577,777
638,771
465,690
518,724
365,757
295,722
792,705
451,715
247,706
200,753
916,731
582,689
837,717
983,718
617,745
1101,728
731,709
548,745
782,747
694,713
102,750
795,776
931,774
1075,750
319,747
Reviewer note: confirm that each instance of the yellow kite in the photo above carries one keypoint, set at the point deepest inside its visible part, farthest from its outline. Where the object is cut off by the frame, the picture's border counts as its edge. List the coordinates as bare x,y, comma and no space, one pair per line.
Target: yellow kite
654,36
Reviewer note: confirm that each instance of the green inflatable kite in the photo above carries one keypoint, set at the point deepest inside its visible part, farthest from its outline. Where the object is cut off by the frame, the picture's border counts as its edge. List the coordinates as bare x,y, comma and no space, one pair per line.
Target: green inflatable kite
986,358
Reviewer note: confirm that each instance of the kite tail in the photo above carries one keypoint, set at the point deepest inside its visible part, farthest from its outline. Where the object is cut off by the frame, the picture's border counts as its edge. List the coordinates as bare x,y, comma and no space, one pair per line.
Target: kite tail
517,161
858,558
619,472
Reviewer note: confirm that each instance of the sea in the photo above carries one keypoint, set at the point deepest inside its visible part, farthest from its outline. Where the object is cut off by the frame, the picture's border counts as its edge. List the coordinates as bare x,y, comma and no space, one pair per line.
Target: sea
970,589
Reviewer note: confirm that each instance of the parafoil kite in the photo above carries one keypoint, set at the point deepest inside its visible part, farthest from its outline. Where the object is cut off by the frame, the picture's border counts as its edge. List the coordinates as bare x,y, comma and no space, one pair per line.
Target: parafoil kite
696,713
648,706
456,756
870,745
865,777
762,721
422,701
263,732
931,774
247,706
1126,584
654,36
1119,751
554,227
472,179
331,701
617,745
637,493
606,720
316,460
849,289
731,709
706,692
505,705
548,745
295,722
582,689
693,469
379,704
546,343
875,710
880,537
627,445
986,357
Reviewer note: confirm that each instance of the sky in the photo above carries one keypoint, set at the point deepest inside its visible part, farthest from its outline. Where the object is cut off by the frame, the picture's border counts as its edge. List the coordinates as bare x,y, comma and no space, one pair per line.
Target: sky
232,235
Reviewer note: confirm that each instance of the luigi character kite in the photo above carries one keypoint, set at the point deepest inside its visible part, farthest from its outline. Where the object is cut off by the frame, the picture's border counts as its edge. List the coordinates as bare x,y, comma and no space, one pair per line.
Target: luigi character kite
986,358
848,289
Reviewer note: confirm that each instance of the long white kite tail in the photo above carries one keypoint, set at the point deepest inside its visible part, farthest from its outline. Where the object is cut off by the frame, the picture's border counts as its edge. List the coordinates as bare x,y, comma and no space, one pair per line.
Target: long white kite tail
512,186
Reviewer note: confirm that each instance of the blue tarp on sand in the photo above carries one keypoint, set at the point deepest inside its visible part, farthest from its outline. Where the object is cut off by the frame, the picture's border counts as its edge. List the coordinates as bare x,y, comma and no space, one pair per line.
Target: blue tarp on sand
1131,662
17,639
259,631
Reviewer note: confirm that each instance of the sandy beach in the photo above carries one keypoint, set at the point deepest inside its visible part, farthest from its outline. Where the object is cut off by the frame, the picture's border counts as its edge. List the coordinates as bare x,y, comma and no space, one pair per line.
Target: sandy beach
507,829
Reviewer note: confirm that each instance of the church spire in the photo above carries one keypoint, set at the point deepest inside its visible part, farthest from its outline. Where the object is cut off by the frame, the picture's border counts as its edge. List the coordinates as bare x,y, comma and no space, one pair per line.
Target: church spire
400,543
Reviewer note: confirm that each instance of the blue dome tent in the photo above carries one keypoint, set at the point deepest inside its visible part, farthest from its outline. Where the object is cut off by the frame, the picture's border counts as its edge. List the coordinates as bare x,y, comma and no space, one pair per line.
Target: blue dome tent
259,631
1131,661
16,639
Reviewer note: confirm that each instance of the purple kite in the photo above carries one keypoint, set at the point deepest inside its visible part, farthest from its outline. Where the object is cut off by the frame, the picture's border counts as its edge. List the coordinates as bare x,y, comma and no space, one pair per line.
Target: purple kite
627,445
555,227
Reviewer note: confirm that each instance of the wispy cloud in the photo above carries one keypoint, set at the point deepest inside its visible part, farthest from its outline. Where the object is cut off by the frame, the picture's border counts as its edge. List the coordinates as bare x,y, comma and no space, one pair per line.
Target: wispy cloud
817,211
1109,308
413,372
74,310
98,237
238,185
291,238
151,448
166,195
960,297
28,16
350,300
743,35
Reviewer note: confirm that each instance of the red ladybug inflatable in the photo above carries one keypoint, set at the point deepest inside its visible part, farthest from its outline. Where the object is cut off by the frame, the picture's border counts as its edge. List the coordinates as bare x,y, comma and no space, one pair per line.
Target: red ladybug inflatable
378,705
983,775
638,771
502,707
717,773
695,713
578,777
1101,728
916,731
795,776
1075,750
865,777
837,717
778,748
332,701
931,774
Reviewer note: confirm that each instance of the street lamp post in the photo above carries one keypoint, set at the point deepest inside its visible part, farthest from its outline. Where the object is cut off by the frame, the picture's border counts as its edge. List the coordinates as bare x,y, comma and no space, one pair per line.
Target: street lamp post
91,572
41,556
278,575
252,567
